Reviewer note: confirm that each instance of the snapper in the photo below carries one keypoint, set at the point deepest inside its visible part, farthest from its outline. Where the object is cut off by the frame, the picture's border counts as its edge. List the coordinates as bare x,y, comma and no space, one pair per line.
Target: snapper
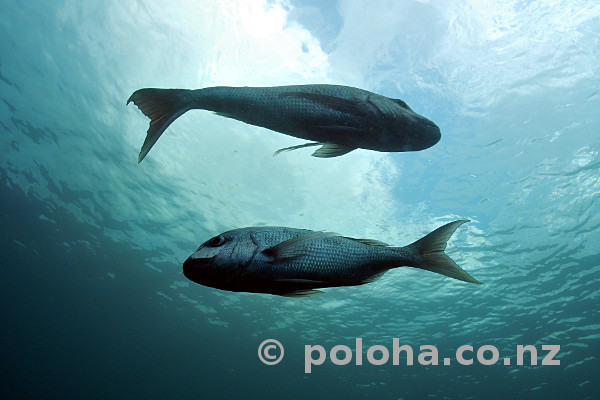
338,118
296,262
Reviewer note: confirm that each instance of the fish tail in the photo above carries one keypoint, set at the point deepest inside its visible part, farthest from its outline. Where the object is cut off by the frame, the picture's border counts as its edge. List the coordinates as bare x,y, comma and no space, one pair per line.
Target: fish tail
162,106
428,253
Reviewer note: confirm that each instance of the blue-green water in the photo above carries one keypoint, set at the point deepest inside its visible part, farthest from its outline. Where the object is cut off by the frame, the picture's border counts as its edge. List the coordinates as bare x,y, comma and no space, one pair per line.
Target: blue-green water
94,303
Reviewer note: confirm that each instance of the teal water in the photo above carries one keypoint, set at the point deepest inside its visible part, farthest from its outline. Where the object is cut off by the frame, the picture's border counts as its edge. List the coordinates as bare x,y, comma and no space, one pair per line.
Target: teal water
94,303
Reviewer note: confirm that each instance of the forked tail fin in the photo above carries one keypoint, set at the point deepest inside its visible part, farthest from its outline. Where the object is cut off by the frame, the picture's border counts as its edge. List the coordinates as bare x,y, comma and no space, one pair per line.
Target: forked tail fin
429,253
162,106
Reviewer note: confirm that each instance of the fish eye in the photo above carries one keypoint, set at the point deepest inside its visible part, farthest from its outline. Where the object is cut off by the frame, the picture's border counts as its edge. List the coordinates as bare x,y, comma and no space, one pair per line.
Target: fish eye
402,104
216,241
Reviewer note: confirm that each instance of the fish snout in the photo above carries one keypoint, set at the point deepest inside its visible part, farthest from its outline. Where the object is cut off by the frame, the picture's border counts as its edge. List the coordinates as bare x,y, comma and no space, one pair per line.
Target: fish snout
192,267
434,133
430,134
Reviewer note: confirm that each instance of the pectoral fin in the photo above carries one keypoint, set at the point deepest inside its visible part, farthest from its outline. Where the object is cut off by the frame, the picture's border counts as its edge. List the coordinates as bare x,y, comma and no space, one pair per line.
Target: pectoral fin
300,146
332,150
327,150
294,248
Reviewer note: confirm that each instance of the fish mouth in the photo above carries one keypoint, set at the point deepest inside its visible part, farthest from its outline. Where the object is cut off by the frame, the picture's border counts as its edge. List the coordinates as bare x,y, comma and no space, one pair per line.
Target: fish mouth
193,266
431,135
436,135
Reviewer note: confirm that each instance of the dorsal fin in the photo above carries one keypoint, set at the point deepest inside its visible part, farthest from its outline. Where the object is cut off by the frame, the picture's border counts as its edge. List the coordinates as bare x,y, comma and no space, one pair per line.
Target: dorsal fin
372,242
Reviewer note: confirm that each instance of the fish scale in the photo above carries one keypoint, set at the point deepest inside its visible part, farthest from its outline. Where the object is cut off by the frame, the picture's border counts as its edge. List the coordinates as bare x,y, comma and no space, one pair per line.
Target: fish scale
331,256
278,109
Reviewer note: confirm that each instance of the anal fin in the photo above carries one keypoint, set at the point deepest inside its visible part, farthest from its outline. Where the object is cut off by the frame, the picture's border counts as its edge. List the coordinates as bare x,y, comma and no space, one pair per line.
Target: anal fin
302,293
300,281
374,277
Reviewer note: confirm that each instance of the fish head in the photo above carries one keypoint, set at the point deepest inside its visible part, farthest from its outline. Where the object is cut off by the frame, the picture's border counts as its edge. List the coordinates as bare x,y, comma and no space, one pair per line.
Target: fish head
430,134
221,261
418,132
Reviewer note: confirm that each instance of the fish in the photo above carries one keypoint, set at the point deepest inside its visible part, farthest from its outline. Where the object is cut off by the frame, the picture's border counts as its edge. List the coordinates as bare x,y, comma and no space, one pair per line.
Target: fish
295,262
338,118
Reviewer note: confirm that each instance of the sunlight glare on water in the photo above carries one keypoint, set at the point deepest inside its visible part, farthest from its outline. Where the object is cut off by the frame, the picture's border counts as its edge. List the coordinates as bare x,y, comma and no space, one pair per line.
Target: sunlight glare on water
93,242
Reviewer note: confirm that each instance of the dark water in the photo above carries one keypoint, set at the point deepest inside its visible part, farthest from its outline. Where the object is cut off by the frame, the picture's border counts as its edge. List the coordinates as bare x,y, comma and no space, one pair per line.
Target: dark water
94,304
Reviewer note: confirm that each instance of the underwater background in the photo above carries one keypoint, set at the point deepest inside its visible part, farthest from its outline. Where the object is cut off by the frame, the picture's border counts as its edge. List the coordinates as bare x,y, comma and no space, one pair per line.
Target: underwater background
94,303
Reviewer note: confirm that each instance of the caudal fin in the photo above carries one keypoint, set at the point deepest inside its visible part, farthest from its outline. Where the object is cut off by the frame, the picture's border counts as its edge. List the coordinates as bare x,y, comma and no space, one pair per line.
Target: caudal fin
162,106
429,253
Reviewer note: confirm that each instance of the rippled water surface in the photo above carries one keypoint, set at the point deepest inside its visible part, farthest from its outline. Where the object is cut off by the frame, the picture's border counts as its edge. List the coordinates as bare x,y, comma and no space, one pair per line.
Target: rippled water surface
94,303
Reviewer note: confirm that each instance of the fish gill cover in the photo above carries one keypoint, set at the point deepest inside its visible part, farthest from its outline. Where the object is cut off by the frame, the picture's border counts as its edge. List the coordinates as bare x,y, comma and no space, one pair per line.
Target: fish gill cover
94,302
